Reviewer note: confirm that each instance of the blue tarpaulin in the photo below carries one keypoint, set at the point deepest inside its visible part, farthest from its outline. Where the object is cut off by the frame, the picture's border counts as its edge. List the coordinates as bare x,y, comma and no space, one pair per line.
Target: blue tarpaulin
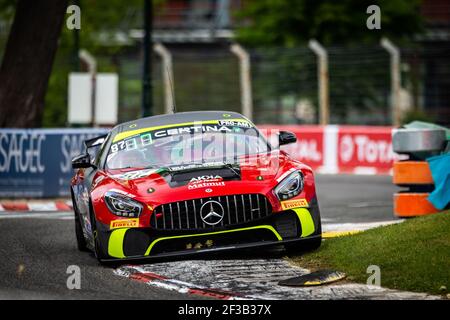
440,170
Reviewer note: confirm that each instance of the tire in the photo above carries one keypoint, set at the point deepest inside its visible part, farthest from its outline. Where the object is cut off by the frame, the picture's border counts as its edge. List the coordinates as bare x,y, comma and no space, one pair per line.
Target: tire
303,246
418,143
81,241
411,204
98,249
408,173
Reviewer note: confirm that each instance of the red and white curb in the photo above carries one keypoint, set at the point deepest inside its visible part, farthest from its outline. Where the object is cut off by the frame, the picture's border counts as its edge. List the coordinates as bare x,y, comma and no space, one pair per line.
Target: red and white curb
249,279
36,206
162,282
60,210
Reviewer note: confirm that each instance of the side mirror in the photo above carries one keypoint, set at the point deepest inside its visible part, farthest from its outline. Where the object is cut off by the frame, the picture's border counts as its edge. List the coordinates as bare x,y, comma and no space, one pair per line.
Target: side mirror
82,161
286,137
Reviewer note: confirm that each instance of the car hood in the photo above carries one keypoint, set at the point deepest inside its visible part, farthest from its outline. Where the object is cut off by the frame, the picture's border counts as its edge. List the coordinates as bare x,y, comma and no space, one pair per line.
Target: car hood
251,174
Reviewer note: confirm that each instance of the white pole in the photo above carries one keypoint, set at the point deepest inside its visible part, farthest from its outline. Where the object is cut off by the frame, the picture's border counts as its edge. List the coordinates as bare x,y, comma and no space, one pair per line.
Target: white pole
394,52
246,81
324,104
91,63
167,70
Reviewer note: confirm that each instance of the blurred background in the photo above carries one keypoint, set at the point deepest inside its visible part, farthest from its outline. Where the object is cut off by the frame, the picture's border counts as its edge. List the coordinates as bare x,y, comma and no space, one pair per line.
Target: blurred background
339,74
347,77
283,68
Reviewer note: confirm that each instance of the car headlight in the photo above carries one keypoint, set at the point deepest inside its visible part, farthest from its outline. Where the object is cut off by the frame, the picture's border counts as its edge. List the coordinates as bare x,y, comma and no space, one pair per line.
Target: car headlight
290,186
122,206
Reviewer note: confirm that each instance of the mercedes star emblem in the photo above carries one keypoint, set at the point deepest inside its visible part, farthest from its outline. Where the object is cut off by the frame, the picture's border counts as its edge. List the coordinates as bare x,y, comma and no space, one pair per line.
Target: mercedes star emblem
211,212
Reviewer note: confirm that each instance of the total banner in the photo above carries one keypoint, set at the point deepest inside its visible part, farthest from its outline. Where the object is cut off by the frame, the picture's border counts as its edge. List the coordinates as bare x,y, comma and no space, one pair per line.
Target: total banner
340,149
309,147
365,149
36,163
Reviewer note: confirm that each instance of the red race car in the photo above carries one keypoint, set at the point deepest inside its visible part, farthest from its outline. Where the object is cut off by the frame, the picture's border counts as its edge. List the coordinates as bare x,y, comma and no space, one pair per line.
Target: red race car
189,183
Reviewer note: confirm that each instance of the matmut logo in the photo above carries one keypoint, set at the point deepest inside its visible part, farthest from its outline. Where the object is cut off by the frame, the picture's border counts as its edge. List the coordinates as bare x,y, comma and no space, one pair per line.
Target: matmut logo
124,223
290,204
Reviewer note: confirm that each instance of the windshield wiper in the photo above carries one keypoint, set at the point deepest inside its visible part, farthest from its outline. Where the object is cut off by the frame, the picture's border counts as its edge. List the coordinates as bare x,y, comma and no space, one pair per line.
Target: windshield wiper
203,166
134,167
232,168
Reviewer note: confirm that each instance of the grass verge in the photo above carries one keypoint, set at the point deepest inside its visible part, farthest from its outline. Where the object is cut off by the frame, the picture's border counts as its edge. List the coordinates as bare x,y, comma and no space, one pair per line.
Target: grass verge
413,255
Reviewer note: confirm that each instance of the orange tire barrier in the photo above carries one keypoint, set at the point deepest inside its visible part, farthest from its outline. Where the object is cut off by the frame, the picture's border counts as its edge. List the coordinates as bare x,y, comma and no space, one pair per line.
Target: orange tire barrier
412,205
412,173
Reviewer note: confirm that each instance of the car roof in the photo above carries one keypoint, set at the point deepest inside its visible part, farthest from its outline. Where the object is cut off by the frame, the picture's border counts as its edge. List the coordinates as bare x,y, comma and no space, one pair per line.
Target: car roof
179,117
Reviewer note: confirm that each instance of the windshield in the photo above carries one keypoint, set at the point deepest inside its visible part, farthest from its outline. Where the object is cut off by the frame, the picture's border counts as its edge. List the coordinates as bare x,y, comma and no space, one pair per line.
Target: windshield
217,141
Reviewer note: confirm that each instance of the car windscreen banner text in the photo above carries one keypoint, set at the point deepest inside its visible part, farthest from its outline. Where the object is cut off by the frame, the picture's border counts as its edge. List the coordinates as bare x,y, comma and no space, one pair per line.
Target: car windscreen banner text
226,141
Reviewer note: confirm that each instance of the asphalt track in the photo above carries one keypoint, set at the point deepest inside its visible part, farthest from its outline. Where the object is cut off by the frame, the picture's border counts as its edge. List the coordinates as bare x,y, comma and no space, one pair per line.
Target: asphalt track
36,249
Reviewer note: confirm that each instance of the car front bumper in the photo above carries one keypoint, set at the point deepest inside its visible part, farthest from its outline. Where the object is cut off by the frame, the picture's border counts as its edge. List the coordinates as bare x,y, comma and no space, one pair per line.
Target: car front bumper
287,227
198,252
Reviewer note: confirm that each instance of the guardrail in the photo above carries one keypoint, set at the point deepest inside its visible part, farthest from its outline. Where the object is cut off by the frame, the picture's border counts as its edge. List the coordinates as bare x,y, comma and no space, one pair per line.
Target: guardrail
36,163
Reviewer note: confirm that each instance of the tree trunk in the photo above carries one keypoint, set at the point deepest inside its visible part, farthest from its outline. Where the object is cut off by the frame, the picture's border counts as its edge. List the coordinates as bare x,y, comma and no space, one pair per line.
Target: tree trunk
28,60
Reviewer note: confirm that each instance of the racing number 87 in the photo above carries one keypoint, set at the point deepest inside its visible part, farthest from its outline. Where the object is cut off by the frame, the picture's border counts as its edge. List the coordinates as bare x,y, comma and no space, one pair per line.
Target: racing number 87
132,144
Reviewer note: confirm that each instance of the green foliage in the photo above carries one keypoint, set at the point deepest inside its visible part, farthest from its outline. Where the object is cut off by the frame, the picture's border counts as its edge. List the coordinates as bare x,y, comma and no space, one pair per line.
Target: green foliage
280,78
101,22
104,27
6,16
7,8
55,112
358,66
416,115
294,22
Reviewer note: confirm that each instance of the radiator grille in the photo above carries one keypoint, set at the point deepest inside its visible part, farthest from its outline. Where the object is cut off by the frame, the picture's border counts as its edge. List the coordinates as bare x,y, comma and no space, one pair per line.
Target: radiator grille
185,215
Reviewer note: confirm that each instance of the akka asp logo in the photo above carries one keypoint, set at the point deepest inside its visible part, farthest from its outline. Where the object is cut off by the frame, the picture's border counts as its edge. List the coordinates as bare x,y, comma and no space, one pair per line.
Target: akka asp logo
206,181
206,178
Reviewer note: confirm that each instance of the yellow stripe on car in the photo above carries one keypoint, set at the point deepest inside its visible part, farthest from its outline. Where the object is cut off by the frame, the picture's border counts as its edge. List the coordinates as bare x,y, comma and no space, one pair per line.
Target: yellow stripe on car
115,244
277,235
306,221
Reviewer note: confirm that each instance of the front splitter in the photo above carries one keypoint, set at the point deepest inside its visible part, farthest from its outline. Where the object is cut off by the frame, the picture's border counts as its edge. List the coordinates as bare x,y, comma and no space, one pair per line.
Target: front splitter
199,252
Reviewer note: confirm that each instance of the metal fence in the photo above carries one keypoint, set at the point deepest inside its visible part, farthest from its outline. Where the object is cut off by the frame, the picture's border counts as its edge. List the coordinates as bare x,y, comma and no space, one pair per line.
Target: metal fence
285,84
426,71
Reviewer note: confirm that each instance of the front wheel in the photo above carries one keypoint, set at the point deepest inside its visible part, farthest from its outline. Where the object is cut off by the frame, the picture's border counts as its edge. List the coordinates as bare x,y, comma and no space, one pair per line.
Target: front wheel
98,249
81,241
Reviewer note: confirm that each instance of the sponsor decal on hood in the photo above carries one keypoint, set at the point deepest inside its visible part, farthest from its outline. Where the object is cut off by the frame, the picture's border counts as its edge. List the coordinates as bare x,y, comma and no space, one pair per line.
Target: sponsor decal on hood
206,181
195,166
